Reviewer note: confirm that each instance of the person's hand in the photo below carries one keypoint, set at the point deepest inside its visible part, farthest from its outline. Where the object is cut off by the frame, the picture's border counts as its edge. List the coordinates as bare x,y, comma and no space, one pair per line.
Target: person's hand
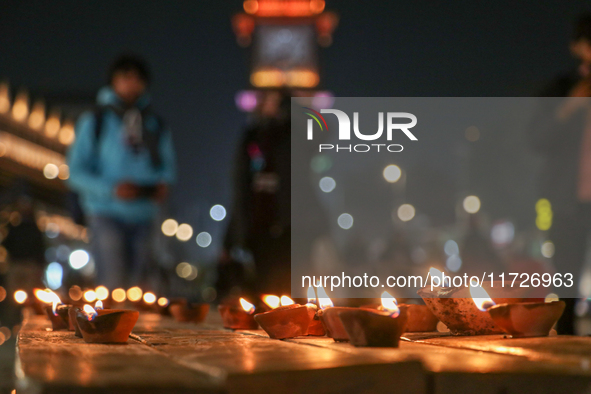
161,192
127,191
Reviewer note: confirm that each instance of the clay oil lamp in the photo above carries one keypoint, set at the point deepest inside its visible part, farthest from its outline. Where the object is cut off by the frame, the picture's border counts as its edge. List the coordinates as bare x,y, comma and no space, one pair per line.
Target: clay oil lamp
106,325
289,320
329,317
419,318
375,328
454,307
238,317
286,319
72,316
57,311
98,307
184,311
523,319
314,305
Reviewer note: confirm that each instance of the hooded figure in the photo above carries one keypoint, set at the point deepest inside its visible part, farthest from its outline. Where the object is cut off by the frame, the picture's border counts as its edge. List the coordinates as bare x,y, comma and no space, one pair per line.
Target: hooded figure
121,165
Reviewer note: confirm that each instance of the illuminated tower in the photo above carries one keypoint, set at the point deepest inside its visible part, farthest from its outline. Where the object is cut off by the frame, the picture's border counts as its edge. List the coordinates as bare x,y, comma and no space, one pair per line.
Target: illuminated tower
284,36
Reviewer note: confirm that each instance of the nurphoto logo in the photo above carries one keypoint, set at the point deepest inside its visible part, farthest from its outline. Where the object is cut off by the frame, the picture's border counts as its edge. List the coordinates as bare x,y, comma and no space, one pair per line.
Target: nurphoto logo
344,132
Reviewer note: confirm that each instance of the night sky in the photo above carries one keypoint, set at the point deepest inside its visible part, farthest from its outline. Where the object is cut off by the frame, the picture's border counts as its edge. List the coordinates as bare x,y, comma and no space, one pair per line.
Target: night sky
381,48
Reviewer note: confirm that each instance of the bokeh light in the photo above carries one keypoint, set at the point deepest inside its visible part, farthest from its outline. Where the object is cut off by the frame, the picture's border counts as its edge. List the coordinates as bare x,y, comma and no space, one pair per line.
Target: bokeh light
321,163
327,184
20,296
217,212
63,172
134,294
163,301
53,275
169,227
78,258
149,298
544,214
102,293
451,248
406,212
392,173
502,233
204,239
453,263
184,232
90,296
75,293
345,221
186,271
118,295
471,204
50,171
548,249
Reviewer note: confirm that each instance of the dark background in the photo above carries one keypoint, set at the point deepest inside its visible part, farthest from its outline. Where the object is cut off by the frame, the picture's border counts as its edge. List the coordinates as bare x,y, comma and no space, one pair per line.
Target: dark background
381,48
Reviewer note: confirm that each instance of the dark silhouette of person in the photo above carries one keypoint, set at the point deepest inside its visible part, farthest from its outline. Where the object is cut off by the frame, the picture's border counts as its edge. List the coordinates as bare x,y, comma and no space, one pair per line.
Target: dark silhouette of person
261,216
561,132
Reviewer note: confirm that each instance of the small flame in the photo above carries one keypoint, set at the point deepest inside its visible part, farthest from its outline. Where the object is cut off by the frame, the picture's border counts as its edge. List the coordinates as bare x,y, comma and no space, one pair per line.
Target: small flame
323,300
481,298
49,297
311,295
20,296
272,301
90,312
247,306
389,304
98,305
434,272
285,300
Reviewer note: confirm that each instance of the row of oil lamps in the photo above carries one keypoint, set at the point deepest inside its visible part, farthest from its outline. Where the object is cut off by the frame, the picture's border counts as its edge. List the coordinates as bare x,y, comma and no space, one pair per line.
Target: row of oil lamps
464,310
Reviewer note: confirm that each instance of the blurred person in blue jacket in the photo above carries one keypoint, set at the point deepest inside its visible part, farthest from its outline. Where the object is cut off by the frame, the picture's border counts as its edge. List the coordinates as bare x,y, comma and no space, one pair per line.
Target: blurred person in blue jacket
121,166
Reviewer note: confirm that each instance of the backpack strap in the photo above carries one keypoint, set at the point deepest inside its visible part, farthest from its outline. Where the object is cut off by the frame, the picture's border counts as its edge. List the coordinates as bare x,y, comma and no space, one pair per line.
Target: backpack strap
151,138
99,114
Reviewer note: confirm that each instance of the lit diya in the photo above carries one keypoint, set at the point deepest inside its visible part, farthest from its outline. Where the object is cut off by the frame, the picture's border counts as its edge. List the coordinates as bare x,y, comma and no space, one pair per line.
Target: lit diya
329,317
238,317
523,319
57,312
184,311
375,328
286,319
456,309
106,325
315,304
419,318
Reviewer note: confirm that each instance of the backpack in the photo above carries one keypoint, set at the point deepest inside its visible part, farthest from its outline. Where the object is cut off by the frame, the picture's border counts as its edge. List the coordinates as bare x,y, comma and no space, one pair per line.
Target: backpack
152,141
